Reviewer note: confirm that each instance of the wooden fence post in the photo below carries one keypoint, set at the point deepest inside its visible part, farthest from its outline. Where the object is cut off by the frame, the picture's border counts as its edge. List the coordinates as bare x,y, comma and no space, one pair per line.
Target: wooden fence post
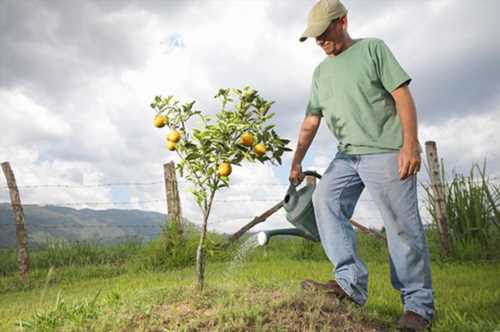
439,195
17,210
173,201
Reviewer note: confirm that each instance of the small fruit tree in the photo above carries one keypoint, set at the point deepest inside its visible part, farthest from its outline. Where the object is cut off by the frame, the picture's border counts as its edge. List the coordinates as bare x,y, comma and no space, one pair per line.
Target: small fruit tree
209,149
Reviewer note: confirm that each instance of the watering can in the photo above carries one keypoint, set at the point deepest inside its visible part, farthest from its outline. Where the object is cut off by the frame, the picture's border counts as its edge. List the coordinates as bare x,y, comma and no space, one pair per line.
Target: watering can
299,212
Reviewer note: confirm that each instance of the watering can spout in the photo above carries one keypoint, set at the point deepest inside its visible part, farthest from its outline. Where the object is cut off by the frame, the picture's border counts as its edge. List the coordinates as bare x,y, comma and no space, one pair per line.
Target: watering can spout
264,236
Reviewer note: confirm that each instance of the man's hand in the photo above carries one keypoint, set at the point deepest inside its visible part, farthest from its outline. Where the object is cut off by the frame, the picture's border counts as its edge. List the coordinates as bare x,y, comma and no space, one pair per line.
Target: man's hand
296,175
409,161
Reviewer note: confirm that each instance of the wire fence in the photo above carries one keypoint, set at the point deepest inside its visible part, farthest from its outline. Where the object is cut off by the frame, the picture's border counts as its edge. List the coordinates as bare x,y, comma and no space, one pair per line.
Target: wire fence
128,231
495,179
94,185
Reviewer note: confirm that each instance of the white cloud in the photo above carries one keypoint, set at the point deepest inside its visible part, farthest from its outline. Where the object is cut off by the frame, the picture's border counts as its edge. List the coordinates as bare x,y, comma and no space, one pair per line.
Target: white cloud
79,112
22,117
52,182
462,141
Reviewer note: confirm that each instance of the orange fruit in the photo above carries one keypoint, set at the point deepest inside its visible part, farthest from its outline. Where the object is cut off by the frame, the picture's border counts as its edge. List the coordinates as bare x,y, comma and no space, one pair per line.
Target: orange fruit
174,136
246,139
224,169
260,149
171,145
160,121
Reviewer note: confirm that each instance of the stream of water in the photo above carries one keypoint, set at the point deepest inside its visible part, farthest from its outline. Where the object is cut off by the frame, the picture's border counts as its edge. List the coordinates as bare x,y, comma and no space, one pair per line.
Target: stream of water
239,258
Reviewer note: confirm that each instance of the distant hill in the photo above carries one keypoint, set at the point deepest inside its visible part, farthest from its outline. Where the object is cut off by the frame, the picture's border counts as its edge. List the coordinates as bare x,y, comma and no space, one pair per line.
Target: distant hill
53,223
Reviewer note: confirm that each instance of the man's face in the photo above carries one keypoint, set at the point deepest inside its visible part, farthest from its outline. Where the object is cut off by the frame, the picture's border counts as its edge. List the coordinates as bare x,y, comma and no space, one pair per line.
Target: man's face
332,41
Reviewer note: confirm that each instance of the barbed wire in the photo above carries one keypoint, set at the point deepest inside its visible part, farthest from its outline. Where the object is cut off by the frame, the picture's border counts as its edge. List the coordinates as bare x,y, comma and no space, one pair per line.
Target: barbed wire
132,184
182,182
282,216
61,204
151,183
110,184
83,226
274,200
133,231
277,200
134,235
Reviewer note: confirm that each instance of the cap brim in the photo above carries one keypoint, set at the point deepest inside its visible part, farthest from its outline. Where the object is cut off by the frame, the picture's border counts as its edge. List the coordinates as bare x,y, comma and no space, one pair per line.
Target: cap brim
314,30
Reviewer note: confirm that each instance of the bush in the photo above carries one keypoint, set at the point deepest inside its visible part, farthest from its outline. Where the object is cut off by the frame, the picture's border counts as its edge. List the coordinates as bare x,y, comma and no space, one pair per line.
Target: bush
65,254
174,251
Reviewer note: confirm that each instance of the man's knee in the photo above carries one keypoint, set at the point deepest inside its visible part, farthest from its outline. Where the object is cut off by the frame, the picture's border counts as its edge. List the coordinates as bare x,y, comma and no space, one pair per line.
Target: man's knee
327,204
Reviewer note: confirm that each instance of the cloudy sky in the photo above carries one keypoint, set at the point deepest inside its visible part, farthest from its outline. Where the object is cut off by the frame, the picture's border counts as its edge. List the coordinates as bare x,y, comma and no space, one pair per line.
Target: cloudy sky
76,79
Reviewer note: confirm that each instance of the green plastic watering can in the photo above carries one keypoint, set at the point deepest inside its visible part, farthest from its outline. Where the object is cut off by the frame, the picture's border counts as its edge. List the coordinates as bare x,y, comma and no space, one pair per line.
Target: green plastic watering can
299,212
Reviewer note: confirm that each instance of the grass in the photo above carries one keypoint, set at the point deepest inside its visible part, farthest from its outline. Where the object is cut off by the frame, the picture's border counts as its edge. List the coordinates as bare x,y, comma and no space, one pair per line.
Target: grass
472,210
260,294
64,254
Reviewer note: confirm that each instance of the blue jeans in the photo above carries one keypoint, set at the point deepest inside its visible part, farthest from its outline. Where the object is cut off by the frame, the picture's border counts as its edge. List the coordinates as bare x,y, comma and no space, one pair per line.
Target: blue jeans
334,200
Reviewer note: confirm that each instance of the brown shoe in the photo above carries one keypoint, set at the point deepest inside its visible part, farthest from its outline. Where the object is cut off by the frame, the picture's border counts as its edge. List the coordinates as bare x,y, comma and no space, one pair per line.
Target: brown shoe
413,322
331,287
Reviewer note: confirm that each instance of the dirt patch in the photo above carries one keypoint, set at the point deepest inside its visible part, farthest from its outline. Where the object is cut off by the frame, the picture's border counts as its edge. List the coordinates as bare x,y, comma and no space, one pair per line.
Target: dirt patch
313,312
217,310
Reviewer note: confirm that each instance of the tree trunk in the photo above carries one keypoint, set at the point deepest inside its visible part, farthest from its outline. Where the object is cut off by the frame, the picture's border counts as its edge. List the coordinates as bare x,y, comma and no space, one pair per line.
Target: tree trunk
200,252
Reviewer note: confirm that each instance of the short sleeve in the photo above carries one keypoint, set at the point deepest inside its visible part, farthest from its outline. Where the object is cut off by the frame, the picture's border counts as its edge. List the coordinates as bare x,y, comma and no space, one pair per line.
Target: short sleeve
313,106
389,71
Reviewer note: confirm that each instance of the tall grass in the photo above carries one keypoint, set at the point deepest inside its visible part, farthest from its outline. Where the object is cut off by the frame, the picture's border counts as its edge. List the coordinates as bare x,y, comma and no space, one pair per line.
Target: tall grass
62,253
472,208
168,251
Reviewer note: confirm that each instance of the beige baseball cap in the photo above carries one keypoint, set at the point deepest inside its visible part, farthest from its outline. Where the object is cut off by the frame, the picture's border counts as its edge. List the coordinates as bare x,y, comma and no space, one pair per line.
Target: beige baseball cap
320,17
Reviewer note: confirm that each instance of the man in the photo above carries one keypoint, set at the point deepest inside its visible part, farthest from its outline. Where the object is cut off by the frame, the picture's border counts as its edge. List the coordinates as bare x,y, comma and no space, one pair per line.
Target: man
362,92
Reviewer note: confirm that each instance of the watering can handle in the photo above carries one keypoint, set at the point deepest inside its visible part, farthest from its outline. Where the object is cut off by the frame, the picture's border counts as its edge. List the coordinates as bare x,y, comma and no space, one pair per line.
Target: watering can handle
291,189
313,173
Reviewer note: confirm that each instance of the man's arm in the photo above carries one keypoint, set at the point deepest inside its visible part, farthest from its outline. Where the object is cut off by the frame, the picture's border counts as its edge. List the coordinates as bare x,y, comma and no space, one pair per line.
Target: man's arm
307,132
409,154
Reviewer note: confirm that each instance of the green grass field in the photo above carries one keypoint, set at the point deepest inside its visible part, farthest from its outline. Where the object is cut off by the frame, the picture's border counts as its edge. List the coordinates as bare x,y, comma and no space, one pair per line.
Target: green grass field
261,293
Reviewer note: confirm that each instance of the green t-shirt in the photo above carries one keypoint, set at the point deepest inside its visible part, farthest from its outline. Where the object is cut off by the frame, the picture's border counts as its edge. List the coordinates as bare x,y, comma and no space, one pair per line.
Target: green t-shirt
352,92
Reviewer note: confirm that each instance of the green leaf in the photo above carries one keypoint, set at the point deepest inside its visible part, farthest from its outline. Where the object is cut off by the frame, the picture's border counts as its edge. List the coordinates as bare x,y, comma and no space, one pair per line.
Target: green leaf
192,156
237,159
